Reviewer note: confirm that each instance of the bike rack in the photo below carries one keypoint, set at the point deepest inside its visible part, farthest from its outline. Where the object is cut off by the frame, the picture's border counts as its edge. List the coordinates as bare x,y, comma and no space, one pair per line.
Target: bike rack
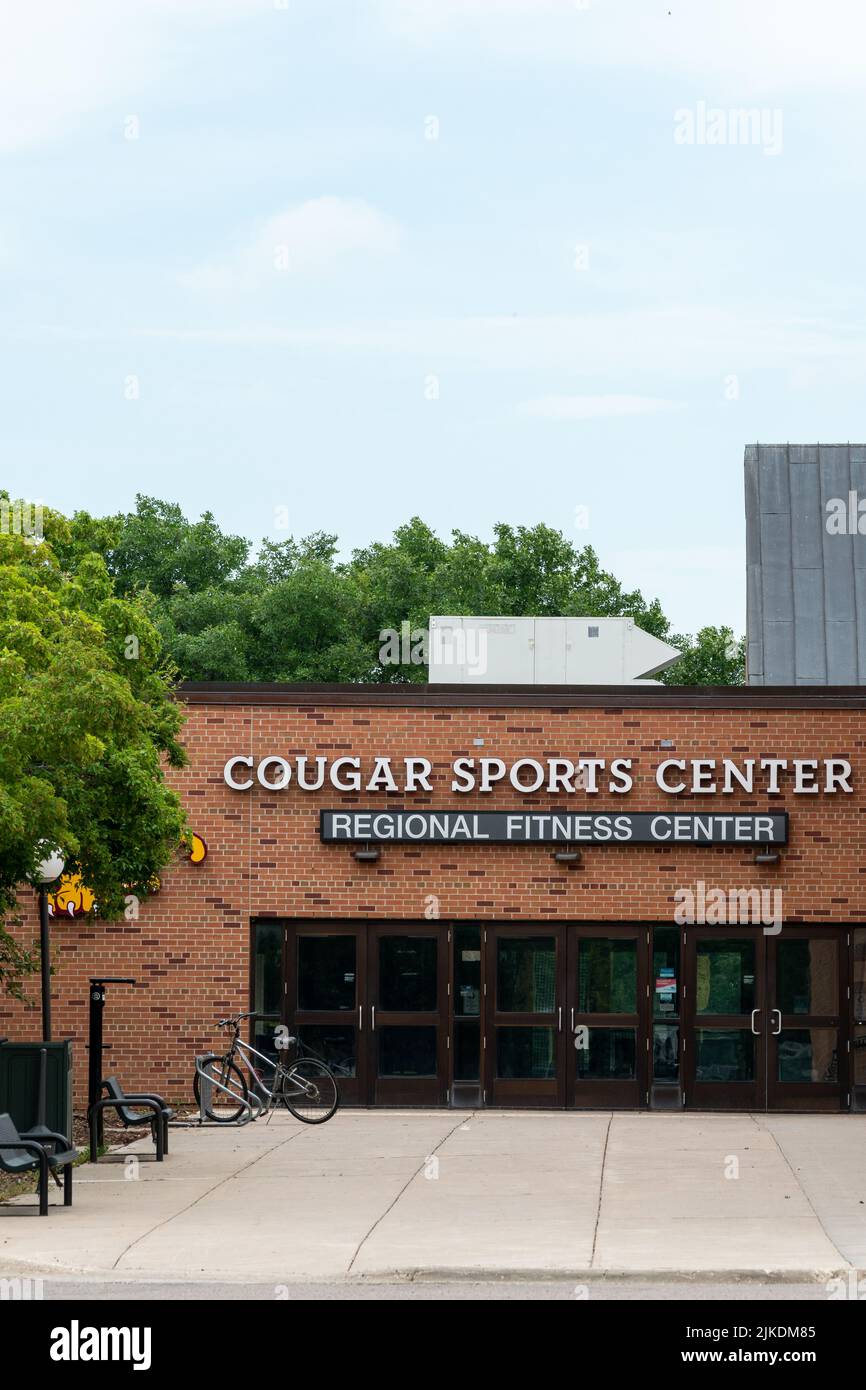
207,1082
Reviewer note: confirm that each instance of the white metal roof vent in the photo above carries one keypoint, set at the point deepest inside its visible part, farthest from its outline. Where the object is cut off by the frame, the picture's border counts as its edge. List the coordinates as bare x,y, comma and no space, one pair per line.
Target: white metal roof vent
544,651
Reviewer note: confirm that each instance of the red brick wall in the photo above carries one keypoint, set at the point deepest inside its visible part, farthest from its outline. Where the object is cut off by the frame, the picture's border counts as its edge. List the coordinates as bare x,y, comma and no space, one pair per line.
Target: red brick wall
190,947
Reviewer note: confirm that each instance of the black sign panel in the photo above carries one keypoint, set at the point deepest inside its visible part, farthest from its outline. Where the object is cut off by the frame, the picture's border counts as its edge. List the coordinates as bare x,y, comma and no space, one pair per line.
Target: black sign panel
554,827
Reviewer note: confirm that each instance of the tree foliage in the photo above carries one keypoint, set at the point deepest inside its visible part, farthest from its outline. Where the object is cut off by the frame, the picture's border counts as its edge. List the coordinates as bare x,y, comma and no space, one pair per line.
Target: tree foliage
295,612
714,657
88,717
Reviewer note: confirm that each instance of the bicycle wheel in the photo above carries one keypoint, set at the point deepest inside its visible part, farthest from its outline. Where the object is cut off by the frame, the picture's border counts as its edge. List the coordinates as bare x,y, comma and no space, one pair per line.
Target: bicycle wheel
225,1107
309,1090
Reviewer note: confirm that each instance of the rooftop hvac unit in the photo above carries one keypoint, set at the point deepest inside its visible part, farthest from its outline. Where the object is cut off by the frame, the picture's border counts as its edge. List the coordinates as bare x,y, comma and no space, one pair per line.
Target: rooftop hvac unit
544,651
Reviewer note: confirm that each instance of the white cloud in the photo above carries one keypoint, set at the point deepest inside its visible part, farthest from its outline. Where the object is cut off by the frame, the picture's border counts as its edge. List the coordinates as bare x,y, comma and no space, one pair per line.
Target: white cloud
770,43
303,239
594,407
62,59
682,342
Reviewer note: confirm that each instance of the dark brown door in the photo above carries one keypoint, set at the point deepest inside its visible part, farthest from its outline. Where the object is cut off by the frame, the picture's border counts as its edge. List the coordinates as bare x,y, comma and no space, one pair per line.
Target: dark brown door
724,1012
606,1060
807,1025
857,1055
407,1038
524,998
325,992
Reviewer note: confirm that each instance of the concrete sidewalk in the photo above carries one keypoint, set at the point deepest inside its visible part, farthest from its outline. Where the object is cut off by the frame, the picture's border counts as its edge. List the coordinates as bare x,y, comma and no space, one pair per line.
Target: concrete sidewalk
384,1194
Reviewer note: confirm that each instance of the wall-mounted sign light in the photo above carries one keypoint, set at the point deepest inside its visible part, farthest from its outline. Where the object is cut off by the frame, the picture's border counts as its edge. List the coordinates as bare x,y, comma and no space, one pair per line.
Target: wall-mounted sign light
569,857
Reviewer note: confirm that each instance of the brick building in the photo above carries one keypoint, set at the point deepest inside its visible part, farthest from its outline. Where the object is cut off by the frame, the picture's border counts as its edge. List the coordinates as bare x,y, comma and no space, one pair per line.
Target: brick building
676,916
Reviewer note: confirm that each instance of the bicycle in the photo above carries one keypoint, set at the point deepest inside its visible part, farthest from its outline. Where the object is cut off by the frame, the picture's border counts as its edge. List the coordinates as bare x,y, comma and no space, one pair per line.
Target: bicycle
306,1086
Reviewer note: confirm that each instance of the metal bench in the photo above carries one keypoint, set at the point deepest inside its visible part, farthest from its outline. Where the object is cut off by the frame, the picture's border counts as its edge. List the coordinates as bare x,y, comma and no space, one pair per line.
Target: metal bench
155,1112
19,1153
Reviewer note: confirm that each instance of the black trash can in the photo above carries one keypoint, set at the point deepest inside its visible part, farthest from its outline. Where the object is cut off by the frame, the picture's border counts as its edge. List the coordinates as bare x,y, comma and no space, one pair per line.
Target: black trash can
20,1065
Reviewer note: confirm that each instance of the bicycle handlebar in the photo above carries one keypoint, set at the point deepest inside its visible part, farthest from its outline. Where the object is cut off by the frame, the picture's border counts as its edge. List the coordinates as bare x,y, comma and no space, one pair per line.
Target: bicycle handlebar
238,1018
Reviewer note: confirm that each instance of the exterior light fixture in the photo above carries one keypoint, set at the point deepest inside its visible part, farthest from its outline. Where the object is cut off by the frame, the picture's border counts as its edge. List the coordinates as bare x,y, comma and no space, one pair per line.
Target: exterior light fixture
51,867
569,857
367,854
47,871
768,856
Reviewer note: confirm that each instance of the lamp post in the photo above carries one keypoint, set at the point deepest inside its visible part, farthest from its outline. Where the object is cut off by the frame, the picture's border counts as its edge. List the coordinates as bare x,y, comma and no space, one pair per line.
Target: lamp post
47,871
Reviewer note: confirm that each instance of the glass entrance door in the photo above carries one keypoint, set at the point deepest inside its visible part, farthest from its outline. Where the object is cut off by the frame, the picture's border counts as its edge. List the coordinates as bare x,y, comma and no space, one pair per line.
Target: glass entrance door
765,1018
325,990
524,1005
807,1057
466,986
606,1060
724,1014
407,1040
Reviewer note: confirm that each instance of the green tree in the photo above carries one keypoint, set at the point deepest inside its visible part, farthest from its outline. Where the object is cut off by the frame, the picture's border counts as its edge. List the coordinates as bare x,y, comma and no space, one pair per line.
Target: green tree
209,633
524,571
714,657
88,717
295,612
307,624
157,548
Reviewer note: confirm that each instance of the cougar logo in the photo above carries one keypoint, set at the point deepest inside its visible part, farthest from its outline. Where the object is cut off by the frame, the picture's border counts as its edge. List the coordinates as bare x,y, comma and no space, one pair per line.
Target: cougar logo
196,848
71,899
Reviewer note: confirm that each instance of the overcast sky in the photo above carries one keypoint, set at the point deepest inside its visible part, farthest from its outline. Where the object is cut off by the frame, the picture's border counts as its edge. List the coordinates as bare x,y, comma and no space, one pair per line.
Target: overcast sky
317,265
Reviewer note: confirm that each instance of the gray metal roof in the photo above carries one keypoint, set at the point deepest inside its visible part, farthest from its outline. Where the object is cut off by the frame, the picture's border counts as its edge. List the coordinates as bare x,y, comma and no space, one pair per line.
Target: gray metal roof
806,589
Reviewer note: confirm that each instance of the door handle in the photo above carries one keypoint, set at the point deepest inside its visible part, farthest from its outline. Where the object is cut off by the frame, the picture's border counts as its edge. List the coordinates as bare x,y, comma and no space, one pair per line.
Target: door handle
360,1018
559,1025
372,1018
756,1031
572,1018
777,1031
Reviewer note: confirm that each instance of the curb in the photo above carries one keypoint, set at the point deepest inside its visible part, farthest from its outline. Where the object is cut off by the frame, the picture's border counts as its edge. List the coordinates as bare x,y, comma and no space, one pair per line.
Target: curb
449,1275
442,1274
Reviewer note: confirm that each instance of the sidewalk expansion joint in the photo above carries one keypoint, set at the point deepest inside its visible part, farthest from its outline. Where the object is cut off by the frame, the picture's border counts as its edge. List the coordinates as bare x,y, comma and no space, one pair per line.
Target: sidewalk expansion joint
229,1177
600,1189
466,1117
758,1120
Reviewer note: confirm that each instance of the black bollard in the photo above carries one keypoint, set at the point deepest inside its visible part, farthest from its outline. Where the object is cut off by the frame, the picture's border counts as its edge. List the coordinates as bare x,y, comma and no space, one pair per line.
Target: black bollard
94,1062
